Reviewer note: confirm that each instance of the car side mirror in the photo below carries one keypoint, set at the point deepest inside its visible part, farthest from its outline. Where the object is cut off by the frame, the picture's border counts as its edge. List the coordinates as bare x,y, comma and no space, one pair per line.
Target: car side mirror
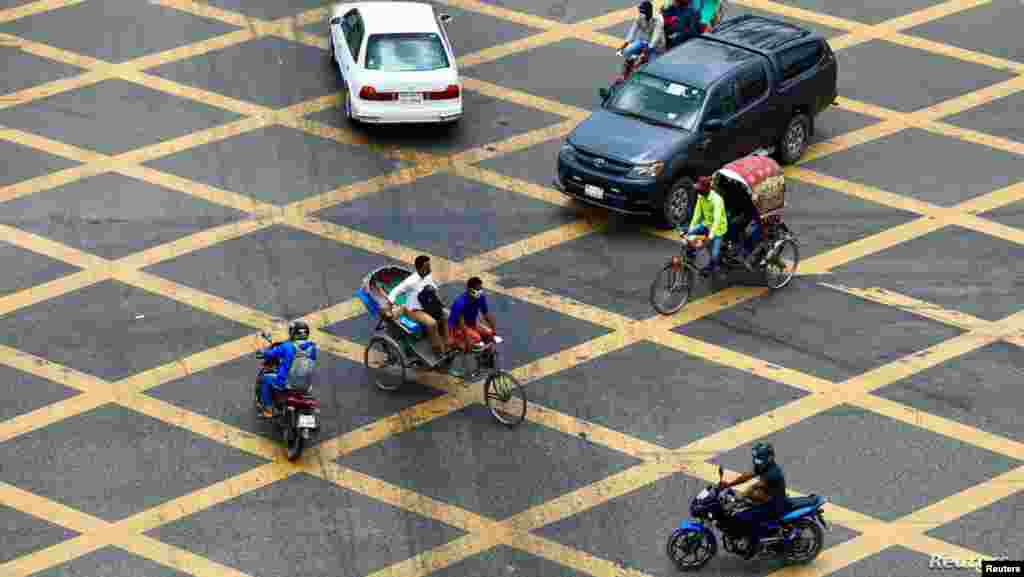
335,21
445,18
605,94
713,125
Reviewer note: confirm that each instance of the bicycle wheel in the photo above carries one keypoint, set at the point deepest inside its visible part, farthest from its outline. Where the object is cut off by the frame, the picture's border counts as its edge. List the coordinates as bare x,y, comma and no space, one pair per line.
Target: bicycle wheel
505,398
385,362
671,289
781,264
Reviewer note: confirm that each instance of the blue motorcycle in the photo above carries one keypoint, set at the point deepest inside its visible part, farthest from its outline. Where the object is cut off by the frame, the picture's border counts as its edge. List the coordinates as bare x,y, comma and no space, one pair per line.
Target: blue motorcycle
797,537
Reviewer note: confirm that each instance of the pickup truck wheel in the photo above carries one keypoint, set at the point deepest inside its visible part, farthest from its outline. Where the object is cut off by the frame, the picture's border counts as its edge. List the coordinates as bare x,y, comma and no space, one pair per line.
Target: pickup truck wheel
795,139
678,205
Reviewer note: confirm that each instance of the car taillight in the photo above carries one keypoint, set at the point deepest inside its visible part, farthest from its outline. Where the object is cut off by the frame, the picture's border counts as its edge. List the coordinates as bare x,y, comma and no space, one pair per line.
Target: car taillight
370,93
447,94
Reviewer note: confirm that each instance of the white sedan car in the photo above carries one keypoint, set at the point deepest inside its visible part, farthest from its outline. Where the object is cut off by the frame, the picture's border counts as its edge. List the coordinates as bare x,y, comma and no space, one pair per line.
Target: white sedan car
397,63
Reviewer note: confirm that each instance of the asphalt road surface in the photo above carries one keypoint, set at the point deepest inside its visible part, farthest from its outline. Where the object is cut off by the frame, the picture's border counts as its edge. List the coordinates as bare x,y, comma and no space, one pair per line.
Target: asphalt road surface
178,176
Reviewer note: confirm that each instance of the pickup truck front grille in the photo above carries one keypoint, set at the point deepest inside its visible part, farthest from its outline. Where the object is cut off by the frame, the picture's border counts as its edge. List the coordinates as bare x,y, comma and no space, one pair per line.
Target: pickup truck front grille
602,163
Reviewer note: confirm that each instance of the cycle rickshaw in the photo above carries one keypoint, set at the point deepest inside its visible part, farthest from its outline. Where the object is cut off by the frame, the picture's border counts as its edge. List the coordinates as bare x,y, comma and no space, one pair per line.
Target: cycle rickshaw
401,344
754,191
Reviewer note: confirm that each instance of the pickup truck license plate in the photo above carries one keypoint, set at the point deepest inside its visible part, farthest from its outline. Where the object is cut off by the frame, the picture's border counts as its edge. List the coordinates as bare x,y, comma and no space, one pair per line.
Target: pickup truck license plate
307,422
593,191
410,97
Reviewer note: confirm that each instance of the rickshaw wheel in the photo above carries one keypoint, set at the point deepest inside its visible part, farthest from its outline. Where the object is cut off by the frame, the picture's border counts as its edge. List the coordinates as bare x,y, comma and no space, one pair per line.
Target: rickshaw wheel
671,289
506,398
781,264
386,363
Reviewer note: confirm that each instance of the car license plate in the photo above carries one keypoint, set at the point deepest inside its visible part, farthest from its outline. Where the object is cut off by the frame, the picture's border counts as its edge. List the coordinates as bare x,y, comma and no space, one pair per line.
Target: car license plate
410,97
593,191
307,422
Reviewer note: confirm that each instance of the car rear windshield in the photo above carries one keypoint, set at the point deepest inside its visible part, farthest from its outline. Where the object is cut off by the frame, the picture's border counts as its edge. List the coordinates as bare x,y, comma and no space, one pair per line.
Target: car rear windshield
405,52
658,100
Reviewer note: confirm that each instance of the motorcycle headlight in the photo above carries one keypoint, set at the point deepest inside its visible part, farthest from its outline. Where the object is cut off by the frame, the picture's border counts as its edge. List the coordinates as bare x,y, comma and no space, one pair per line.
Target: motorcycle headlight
650,170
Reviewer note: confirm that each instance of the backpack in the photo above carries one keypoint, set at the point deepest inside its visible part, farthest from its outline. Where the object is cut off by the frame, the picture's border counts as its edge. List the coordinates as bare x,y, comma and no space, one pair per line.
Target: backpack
300,375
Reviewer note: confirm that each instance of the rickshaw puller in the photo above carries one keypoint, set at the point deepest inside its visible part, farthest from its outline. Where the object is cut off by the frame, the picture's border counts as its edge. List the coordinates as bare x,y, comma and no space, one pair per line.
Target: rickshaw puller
709,218
463,329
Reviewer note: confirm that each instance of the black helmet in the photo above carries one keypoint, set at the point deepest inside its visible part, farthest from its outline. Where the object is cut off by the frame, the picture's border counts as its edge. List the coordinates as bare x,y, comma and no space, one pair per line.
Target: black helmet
764,455
298,331
646,8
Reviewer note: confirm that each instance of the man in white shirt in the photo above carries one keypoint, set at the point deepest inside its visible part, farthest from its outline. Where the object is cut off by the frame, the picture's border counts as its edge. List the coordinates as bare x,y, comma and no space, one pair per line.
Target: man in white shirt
647,33
412,287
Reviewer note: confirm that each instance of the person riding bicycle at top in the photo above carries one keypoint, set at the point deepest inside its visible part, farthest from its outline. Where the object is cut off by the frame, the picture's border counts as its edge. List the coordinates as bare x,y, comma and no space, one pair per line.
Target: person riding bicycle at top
709,218
646,34
682,22
421,304
296,359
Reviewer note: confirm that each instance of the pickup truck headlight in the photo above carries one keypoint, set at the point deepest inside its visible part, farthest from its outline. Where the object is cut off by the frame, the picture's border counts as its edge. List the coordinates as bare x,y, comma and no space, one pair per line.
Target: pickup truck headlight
650,170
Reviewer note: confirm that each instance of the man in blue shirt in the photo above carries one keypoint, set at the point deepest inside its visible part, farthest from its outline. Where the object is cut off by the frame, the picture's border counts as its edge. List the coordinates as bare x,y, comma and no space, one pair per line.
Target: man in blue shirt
295,358
682,22
463,329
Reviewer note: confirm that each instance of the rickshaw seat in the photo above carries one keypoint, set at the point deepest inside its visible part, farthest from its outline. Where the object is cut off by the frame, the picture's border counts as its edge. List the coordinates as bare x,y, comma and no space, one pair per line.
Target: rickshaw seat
373,307
412,327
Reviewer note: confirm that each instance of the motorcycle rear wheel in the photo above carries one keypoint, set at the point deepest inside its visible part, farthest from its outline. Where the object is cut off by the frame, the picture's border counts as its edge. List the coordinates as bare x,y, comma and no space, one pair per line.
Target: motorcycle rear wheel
295,444
803,555
683,543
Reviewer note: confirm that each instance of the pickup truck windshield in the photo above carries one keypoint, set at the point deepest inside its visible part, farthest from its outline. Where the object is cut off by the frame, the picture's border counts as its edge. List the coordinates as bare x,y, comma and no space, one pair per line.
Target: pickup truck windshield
405,53
659,101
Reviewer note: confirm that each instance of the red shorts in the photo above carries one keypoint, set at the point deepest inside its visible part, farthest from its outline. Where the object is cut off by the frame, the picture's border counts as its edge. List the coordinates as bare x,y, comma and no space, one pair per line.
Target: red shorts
470,336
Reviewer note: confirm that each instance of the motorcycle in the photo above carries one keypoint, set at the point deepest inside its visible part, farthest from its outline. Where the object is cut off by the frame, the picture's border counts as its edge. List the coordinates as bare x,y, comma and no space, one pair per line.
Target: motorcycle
296,411
797,537
630,65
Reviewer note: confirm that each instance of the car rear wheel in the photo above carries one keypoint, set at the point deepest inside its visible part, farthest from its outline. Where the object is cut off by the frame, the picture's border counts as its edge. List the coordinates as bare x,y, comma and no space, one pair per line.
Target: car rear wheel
678,204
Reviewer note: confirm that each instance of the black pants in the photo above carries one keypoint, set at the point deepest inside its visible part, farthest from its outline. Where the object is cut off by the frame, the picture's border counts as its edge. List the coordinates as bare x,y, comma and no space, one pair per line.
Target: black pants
432,305
759,514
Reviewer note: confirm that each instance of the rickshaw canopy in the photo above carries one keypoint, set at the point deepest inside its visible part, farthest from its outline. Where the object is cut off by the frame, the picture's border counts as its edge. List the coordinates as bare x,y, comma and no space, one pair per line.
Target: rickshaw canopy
761,177
375,288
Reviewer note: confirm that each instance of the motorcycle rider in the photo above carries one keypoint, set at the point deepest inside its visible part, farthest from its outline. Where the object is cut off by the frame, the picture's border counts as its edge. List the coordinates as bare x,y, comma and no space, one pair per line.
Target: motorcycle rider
646,34
709,218
768,494
296,359
682,22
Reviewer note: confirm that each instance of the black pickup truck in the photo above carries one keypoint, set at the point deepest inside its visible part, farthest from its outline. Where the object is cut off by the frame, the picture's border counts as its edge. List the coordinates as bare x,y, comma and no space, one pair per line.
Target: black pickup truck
754,83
